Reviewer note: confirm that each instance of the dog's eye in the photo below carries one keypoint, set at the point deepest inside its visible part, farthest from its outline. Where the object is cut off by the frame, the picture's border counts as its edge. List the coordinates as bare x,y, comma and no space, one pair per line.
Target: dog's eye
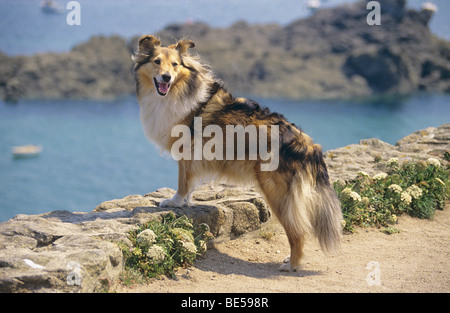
174,64
157,61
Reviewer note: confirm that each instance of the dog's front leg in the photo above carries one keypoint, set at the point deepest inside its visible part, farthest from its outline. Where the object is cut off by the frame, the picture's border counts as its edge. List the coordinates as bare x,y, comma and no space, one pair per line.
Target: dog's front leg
183,194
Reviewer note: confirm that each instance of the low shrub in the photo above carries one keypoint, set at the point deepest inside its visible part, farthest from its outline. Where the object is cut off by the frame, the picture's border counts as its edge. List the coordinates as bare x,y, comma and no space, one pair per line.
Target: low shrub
159,247
414,188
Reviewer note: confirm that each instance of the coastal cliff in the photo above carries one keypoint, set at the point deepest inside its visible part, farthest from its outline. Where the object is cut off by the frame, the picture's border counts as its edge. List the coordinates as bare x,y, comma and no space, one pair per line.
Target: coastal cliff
64,251
332,54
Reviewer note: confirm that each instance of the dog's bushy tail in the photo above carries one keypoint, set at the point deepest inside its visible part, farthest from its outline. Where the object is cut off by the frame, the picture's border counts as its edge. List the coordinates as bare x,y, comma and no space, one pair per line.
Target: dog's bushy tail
327,218
316,208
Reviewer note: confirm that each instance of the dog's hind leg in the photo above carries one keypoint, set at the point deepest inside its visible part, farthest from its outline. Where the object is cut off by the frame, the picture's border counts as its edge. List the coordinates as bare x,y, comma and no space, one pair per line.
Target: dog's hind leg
294,233
185,187
296,243
280,192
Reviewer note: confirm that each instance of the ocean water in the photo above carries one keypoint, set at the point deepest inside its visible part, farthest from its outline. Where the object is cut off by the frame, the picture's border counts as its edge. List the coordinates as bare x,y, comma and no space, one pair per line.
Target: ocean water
95,151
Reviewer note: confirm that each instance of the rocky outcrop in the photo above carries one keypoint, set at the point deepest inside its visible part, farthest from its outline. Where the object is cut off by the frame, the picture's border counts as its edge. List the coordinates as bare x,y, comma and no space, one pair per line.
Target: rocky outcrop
64,251
98,69
370,155
332,54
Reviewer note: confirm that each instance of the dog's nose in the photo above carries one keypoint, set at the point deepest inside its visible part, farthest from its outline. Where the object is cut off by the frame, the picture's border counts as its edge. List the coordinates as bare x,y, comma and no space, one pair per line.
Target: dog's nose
166,78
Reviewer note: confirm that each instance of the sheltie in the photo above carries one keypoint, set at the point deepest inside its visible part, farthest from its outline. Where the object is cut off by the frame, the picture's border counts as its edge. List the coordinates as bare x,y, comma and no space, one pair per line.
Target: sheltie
177,89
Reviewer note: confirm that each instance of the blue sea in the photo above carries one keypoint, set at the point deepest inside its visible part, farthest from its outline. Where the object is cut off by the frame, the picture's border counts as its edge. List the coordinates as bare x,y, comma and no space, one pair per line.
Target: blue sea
95,151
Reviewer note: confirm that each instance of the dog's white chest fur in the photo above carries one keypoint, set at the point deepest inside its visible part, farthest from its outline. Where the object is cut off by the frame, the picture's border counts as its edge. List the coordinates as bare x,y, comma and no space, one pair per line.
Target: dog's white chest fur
160,114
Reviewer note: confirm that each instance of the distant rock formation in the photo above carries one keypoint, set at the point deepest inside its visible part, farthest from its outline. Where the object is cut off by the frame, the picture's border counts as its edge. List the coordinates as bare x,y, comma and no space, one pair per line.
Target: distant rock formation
98,69
332,54
64,251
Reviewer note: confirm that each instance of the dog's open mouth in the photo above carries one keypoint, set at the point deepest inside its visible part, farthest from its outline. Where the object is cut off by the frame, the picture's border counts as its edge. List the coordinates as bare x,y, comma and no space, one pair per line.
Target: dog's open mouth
161,88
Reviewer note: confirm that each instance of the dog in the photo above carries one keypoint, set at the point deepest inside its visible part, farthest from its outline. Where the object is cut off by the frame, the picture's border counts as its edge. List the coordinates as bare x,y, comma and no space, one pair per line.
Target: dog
176,88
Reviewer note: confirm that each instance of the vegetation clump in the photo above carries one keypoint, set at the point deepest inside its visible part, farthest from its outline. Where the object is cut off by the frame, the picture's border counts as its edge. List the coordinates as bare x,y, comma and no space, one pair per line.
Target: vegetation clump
413,188
159,247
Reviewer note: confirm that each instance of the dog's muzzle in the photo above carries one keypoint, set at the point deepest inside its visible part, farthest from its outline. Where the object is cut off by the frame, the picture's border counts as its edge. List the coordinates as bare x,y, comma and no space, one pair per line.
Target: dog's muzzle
162,87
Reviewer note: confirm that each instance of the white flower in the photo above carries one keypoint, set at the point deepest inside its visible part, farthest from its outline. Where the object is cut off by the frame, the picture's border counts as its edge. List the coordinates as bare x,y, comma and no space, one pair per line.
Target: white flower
156,253
362,174
405,197
183,234
414,191
146,237
434,162
380,176
392,162
395,188
393,219
355,196
347,191
189,247
349,194
203,246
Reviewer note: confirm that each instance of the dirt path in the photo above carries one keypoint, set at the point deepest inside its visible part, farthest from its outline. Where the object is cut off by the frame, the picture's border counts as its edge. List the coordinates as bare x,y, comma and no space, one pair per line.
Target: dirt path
415,260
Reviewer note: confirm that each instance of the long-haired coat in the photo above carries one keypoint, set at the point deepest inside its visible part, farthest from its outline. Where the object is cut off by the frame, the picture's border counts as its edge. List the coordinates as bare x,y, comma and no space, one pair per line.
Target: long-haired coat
176,88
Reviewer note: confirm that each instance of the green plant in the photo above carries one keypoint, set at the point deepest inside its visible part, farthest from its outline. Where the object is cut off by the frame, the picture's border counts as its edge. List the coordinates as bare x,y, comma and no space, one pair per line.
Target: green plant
414,188
266,235
390,230
159,247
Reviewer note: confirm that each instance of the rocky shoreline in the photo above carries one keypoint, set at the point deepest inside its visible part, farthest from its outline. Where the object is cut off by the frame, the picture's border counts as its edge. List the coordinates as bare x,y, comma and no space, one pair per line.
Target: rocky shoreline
64,251
332,54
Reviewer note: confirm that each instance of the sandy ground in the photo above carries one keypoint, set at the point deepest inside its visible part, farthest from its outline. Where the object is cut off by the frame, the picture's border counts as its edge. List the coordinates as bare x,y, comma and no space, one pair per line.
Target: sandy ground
415,260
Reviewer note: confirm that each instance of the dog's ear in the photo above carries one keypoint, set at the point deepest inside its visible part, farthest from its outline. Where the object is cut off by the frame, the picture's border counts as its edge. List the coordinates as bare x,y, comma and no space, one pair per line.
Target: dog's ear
183,45
146,46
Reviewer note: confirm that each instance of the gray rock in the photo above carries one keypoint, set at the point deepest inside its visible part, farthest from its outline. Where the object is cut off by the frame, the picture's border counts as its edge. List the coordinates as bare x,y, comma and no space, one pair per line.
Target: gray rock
63,251
431,140
370,155
100,69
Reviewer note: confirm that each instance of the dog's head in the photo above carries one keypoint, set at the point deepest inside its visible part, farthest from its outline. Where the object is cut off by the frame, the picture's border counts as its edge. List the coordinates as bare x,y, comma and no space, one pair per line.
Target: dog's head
163,66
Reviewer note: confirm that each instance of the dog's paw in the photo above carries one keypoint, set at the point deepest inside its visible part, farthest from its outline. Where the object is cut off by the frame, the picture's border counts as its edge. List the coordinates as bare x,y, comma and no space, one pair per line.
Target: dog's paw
173,203
188,202
286,267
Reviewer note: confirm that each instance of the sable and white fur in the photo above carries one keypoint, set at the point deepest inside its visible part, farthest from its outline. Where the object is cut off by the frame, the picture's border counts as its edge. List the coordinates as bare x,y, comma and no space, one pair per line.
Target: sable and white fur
174,86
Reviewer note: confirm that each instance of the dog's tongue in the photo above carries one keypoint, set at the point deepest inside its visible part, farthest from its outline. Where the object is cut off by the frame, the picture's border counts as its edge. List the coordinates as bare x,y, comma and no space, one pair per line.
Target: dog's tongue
163,87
